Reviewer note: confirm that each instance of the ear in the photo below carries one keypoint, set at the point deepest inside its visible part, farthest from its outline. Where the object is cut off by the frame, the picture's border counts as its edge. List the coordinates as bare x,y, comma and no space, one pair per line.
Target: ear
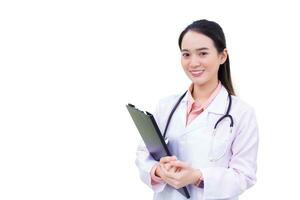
223,56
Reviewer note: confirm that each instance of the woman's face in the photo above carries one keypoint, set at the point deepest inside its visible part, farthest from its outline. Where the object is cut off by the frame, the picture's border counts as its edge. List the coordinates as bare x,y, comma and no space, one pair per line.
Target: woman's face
200,59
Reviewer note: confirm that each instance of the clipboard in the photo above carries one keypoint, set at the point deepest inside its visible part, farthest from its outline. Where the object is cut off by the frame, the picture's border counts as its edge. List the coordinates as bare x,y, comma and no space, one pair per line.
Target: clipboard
152,137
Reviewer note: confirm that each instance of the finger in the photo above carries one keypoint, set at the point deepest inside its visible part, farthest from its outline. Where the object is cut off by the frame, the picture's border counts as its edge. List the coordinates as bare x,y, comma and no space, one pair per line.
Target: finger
178,169
160,172
167,159
179,164
173,169
167,166
164,174
169,174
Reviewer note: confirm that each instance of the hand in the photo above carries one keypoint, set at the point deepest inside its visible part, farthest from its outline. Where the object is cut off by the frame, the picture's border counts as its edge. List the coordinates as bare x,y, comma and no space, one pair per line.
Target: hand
165,161
179,174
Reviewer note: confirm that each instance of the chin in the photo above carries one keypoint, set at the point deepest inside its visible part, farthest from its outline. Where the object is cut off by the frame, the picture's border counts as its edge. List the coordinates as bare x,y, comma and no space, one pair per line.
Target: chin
198,81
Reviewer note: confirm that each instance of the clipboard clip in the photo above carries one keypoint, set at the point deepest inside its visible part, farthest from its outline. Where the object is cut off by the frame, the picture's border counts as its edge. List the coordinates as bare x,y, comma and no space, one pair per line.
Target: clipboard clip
166,140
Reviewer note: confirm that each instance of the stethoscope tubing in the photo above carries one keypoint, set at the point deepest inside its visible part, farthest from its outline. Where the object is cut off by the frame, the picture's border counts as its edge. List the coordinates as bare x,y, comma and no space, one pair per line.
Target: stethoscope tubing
215,126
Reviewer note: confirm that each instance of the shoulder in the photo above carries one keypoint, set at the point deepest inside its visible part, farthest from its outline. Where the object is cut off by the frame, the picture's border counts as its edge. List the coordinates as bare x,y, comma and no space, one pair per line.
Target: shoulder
241,105
242,111
165,104
168,99
164,107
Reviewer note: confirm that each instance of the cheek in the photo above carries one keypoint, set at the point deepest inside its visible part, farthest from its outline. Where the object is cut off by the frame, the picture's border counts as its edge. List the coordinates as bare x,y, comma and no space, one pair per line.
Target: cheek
184,64
211,64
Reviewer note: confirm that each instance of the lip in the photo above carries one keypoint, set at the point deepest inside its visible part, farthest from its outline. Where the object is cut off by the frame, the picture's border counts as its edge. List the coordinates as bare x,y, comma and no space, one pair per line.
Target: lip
197,73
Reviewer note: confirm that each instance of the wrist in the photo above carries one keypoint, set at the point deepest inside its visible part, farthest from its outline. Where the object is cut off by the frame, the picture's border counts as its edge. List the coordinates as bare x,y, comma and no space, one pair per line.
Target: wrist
198,177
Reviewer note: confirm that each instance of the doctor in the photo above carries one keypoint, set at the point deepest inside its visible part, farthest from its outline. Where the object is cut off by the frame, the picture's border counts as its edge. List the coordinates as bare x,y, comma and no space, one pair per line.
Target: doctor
212,133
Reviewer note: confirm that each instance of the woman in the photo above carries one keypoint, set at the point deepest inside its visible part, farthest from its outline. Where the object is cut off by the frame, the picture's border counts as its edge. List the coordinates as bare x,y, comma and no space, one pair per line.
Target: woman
215,155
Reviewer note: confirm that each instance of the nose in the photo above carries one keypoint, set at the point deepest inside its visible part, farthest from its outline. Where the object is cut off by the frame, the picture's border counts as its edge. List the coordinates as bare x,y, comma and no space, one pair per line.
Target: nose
195,61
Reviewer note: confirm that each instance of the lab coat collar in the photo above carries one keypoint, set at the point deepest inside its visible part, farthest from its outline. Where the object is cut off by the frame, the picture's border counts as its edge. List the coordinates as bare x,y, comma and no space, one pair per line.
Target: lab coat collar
218,105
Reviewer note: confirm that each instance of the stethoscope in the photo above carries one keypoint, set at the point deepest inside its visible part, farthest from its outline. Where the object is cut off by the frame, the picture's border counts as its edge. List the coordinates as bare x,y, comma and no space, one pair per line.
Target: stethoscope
212,159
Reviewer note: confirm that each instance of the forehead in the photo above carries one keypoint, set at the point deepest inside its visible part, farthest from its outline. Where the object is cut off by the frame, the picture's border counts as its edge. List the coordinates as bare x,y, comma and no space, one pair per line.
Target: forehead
193,40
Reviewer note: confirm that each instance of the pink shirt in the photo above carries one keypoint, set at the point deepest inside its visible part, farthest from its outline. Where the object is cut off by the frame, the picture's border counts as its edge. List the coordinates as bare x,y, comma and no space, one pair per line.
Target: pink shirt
193,110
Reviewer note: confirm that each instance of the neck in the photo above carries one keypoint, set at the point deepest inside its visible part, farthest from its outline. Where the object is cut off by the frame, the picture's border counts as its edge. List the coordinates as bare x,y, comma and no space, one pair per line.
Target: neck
202,92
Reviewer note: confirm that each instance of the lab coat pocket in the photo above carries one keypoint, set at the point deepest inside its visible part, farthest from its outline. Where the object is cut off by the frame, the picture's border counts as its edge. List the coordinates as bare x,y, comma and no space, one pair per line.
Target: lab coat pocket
220,142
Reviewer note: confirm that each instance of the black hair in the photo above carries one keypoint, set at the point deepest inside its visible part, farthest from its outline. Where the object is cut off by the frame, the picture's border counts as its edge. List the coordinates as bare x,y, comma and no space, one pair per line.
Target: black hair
214,31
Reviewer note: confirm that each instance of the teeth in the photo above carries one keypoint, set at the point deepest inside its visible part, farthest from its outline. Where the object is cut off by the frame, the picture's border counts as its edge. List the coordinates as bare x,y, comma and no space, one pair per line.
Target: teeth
197,72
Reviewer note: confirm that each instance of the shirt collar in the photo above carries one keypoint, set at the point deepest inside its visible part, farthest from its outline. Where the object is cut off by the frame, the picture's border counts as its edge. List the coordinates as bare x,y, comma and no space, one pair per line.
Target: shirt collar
217,105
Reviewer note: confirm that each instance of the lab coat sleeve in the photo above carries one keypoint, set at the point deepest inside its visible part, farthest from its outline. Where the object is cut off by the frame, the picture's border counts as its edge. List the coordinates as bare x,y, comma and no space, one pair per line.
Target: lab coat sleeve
145,162
222,182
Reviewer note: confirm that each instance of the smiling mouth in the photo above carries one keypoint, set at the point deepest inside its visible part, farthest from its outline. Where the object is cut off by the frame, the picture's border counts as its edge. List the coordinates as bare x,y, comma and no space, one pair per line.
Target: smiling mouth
197,73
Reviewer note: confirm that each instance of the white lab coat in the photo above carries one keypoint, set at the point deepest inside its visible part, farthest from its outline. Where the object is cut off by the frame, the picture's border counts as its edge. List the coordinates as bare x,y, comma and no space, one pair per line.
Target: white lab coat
225,178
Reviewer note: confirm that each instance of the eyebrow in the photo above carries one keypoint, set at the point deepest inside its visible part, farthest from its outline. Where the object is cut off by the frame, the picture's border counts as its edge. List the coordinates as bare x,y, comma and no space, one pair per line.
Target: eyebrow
199,49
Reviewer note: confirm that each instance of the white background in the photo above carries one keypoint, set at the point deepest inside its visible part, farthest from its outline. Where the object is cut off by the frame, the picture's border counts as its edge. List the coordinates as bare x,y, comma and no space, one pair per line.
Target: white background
67,69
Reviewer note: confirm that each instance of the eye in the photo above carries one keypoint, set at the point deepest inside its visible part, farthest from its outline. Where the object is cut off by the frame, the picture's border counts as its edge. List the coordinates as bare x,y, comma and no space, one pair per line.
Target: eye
203,53
185,55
